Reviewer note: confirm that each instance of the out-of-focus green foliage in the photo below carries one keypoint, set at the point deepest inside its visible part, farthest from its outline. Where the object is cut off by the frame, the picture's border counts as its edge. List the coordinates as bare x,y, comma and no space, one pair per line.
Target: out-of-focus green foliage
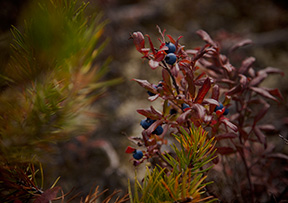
51,80
183,180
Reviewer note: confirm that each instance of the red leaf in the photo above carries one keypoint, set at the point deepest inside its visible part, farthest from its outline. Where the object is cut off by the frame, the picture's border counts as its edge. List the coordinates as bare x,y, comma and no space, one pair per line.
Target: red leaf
166,78
203,91
150,113
225,150
153,64
243,133
137,140
192,51
226,136
257,80
277,155
48,195
185,63
177,41
275,92
200,76
155,111
215,92
260,135
139,41
191,85
228,67
159,56
243,80
161,33
171,39
236,89
240,44
147,85
263,93
183,117
267,128
225,80
270,70
262,112
206,37
200,53
129,150
230,125
147,113
199,109
215,96
151,45
211,101
246,64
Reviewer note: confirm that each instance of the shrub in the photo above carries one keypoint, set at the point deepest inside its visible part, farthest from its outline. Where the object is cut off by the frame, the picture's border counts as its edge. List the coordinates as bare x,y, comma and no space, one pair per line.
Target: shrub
47,89
202,89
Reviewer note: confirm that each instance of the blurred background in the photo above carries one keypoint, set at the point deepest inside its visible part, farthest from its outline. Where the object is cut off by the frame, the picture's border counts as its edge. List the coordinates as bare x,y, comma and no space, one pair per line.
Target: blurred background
100,159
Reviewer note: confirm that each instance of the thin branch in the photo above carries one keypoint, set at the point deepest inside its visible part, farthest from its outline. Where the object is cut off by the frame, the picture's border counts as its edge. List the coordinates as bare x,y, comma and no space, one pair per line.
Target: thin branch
164,65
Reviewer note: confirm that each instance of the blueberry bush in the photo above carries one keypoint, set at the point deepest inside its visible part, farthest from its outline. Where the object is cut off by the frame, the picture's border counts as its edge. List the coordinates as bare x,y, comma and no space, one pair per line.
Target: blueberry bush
212,111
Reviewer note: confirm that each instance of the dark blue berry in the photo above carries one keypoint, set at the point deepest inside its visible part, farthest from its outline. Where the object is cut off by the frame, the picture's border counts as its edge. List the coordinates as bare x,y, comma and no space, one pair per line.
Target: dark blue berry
159,130
171,47
170,58
146,123
137,154
226,111
151,93
173,111
218,107
160,85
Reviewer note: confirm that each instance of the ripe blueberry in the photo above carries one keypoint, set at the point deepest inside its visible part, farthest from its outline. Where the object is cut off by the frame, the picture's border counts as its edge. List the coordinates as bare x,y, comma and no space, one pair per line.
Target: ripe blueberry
218,107
146,123
173,111
171,47
170,58
158,130
150,93
226,111
137,154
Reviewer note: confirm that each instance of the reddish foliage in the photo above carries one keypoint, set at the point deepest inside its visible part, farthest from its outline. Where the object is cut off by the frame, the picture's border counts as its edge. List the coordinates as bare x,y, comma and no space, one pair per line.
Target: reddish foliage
183,83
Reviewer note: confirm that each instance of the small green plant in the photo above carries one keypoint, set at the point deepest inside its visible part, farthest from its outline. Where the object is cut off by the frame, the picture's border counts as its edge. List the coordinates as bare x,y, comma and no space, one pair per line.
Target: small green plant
50,81
181,176
47,90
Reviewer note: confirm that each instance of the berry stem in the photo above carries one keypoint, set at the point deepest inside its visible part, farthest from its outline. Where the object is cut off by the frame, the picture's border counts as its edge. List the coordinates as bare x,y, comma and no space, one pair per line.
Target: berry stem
164,65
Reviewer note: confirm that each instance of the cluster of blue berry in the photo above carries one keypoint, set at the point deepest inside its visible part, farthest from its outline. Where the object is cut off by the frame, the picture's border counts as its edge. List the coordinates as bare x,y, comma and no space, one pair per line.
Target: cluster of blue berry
170,58
221,109
146,123
155,87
